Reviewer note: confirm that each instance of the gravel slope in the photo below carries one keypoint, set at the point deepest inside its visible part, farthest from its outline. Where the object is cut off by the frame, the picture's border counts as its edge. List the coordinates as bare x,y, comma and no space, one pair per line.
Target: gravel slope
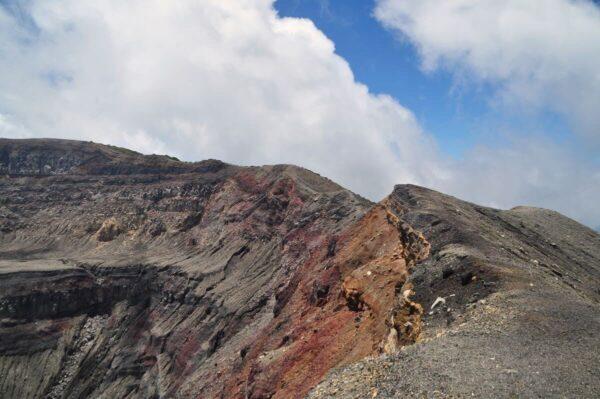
520,315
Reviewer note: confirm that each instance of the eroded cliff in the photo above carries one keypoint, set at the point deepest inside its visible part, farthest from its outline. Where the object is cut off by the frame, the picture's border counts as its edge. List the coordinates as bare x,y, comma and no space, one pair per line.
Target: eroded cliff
132,276
511,307
126,275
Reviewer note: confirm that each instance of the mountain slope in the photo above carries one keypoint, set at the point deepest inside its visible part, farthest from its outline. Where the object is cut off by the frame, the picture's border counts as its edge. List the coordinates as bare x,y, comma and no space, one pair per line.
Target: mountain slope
136,276
126,275
520,313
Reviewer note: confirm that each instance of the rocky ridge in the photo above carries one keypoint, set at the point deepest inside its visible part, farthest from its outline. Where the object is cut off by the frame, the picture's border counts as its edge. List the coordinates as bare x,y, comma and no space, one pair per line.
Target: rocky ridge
511,308
127,275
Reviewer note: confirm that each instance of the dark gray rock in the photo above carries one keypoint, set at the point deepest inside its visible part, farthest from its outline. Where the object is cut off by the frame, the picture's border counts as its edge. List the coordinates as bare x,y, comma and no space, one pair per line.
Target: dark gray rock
521,313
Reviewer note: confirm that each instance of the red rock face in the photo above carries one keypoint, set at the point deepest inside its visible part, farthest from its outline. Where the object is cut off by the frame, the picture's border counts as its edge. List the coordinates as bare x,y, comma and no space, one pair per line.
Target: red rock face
343,305
190,280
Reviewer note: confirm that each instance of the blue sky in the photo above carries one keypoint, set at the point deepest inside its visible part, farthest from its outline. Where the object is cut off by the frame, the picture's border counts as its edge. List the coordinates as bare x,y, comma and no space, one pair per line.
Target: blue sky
386,65
459,114
495,102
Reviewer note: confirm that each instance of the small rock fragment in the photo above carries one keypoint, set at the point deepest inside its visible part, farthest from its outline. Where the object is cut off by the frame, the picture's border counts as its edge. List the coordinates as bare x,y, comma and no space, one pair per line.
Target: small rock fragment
438,301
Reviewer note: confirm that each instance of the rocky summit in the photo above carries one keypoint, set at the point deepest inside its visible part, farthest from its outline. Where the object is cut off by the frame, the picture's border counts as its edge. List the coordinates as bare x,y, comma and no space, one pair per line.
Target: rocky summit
125,275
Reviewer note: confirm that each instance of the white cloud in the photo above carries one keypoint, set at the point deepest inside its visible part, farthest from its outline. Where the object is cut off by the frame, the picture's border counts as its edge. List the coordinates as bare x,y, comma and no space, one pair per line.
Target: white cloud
541,55
536,56
531,171
221,79
230,79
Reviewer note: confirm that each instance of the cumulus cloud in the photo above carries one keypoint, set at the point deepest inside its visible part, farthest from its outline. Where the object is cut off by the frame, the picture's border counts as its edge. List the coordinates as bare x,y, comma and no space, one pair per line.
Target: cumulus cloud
232,80
535,57
538,55
212,79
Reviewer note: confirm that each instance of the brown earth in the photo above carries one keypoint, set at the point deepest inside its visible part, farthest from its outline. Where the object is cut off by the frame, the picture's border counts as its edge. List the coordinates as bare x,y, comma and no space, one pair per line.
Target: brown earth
340,309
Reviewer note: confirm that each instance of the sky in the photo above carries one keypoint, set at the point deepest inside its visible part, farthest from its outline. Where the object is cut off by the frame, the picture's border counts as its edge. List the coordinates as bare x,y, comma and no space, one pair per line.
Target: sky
493,102
389,66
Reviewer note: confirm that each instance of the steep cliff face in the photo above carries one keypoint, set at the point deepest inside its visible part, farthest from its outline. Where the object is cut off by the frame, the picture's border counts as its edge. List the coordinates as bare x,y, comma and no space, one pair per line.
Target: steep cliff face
349,301
124,275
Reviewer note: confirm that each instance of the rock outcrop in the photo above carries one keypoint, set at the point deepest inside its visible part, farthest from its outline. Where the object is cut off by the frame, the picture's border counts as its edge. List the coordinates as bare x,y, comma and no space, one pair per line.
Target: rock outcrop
511,307
125,275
